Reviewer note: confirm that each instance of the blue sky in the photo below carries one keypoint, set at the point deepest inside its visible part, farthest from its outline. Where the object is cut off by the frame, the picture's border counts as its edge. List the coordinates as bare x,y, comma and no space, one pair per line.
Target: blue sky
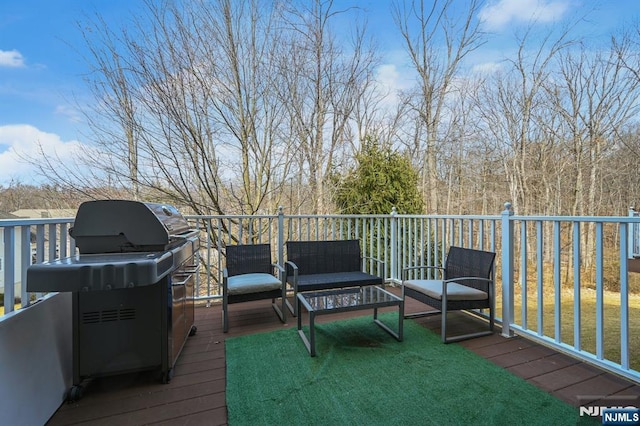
41,64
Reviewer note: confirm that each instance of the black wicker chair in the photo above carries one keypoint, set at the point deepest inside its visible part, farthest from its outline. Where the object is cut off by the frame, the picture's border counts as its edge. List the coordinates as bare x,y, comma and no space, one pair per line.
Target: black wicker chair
323,265
251,275
466,282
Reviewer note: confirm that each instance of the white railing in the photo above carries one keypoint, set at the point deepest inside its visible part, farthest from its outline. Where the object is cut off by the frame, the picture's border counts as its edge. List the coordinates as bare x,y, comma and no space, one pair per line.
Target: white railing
27,241
561,274
560,280
397,240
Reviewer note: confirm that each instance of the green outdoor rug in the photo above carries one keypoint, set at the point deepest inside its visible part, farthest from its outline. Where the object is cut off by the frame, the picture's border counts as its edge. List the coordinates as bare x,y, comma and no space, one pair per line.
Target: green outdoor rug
363,376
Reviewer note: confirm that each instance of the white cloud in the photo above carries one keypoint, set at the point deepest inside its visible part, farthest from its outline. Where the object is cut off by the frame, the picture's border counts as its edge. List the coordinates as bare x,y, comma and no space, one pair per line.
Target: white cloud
388,75
486,68
66,111
388,84
19,142
498,14
11,59
391,80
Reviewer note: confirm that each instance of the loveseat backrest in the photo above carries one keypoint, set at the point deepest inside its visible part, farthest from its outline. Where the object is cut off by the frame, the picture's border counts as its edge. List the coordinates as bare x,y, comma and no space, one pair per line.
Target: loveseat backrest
465,262
318,257
249,259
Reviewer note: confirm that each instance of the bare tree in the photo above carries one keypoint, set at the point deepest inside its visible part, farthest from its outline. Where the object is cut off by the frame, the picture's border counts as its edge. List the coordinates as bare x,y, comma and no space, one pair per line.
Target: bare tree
600,97
517,102
246,98
185,108
436,49
323,84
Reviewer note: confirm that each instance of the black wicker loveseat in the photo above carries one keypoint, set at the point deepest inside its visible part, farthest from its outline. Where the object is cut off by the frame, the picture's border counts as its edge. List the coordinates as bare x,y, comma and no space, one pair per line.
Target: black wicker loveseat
323,265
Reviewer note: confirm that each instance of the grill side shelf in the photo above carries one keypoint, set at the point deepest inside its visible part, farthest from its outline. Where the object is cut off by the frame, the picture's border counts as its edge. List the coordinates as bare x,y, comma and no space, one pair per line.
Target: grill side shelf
99,272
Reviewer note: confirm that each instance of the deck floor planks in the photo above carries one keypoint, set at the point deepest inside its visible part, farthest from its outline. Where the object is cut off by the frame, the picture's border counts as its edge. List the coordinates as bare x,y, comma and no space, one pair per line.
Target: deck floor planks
196,394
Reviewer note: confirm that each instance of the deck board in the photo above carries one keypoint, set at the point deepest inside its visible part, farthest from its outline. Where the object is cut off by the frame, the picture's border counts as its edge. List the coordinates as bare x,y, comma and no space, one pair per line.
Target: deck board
196,394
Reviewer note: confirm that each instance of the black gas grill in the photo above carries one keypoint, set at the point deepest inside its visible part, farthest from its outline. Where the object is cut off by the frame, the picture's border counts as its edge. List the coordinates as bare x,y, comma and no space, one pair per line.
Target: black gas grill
132,285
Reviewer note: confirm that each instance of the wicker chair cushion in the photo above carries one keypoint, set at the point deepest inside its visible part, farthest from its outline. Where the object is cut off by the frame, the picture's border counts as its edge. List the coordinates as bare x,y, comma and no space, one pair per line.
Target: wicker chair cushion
252,283
455,291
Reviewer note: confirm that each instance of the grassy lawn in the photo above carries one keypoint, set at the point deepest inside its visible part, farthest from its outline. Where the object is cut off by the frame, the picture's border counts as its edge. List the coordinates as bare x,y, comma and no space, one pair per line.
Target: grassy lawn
611,315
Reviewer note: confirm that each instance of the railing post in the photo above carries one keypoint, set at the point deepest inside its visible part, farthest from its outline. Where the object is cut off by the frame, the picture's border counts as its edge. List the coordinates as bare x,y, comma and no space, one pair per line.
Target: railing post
624,299
633,249
394,245
25,261
507,270
281,236
9,268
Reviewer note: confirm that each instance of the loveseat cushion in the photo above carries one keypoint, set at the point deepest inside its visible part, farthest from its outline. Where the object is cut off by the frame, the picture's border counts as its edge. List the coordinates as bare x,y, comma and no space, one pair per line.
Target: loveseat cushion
336,280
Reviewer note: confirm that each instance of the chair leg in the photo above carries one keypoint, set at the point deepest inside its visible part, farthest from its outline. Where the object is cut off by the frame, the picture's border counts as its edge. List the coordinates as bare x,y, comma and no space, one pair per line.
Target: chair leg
491,319
283,300
443,320
225,314
281,312
421,314
293,308
461,337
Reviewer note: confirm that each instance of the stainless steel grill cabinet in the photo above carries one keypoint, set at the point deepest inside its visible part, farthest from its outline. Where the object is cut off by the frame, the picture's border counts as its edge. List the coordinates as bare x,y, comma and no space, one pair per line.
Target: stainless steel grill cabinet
133,288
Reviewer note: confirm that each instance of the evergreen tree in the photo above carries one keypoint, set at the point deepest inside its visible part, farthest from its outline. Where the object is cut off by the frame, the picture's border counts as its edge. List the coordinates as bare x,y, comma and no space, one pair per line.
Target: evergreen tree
381,180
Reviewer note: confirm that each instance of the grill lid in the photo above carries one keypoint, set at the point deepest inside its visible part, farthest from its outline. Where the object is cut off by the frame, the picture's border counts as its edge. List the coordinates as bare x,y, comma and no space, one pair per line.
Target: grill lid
119,226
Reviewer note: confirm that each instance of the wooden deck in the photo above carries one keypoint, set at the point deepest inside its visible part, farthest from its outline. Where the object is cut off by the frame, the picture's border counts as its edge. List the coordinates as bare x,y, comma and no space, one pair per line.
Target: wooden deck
196,395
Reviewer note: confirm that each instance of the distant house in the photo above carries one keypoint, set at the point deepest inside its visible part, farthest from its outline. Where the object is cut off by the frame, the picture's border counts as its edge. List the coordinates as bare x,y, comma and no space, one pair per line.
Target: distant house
44,213
5,215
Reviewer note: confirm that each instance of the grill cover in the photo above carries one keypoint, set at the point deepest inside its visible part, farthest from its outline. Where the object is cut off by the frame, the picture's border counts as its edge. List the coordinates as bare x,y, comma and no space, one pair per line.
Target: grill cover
119,226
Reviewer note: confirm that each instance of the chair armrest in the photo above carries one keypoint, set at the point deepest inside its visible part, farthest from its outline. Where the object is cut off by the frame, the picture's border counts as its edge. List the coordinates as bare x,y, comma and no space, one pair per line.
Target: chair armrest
281,275
412,268
293,265
225,278
295,270
380,263
373,258
468,279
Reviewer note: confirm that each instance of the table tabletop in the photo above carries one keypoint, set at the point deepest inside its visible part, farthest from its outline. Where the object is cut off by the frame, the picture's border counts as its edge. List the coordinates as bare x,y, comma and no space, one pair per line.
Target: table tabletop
348,299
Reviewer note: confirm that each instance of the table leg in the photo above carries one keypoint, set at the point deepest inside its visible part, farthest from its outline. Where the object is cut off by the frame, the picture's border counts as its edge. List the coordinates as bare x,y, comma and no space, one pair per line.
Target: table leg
312,333
310,343
399,334
401,320
297,302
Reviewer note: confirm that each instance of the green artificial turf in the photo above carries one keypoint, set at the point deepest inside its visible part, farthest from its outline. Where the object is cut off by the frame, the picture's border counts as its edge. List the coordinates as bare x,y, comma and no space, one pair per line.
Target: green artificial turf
363,376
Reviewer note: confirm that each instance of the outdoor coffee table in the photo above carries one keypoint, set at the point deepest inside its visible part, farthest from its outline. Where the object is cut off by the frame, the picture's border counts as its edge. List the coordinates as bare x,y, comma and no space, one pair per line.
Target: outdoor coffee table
343,300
